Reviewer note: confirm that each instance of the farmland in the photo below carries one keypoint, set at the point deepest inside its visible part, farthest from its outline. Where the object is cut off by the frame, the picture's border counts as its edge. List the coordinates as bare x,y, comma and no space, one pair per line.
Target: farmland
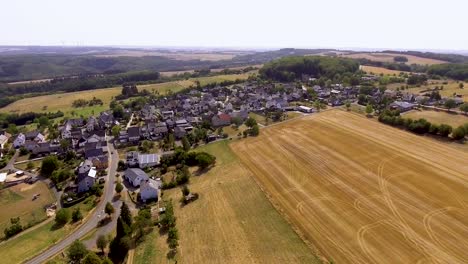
17,202
63,101
388,57
439,117
363,192
231,222
379,70
450,87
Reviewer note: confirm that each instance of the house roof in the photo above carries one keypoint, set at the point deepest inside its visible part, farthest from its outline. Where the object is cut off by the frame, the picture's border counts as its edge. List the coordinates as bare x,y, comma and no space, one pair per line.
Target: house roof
90,153
133,131
149,184
133,173
148,158
224,117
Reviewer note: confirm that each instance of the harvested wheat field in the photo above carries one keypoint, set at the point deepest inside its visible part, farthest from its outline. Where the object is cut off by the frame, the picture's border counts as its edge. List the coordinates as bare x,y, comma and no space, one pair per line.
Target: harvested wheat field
363,192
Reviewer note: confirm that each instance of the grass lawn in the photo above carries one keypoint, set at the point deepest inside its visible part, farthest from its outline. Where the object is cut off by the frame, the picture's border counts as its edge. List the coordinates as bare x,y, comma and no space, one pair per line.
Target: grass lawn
231,222
17,202
259,118
35,240
24,165
438,117
63,101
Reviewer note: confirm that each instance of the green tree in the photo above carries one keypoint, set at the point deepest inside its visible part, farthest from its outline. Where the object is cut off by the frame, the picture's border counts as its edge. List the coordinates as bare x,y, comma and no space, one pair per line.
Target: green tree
62,217
116,131
185,143
369,109
125,214
185,190
91,258
204,160
461,85
76,215
450,103
118,187
77,251
348,105
102,242
458,133
109,209
445,130
49,165
250,122
464,108
255,130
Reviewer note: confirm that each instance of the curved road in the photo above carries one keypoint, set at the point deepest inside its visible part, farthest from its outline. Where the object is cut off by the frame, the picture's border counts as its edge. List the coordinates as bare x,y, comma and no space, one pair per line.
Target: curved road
92,220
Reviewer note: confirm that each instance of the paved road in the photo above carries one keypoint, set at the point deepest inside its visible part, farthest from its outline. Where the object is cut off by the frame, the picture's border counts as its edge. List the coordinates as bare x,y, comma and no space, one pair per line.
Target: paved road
92,220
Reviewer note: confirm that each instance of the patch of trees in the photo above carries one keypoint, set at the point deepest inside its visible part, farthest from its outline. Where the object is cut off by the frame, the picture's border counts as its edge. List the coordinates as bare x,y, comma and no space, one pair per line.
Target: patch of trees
454,58
422,126
291,68
78,253
14,228
416,79
454,71
25,118
392,65
253,129
400,59
167,223
83,103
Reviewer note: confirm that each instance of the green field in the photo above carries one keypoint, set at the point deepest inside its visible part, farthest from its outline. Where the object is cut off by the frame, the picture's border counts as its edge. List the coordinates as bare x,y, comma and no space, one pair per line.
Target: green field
231,222
17,201
63,101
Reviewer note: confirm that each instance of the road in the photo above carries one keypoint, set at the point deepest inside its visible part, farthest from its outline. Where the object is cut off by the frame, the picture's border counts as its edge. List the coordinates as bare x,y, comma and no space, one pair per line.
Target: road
92,220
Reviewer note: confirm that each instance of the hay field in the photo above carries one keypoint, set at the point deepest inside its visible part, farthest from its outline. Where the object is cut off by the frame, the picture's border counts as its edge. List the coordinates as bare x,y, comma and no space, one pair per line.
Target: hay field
364,192
17,201
63,101
451,87
231,222
379,70
439,117
388,57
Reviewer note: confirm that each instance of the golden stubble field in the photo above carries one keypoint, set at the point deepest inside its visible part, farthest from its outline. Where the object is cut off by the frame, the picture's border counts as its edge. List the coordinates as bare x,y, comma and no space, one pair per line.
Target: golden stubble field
363,192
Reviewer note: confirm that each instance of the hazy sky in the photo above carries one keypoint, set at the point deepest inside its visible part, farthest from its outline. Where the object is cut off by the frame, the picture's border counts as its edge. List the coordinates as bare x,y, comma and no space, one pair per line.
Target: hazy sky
410,24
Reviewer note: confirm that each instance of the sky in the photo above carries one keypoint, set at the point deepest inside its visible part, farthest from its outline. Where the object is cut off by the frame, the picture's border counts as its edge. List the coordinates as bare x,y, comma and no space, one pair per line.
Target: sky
396,24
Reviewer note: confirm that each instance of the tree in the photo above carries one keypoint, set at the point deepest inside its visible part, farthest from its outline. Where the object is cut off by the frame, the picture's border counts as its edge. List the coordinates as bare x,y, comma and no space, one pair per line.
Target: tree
255,130
458,133
250,122
445,130
62,217
77,251
204,160
464,108
102,242
49,165
14,229
185,143
125,214
450,103
185,190
109,209
91,258
461,85
369,109
116,131
30,165
118,187
76,215
348,105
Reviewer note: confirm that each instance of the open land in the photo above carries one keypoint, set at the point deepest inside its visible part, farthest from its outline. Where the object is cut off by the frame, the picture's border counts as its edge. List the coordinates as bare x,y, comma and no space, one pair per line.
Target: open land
388,57
450,87
363,192
379,70
63,101
17,201
439,117
231,222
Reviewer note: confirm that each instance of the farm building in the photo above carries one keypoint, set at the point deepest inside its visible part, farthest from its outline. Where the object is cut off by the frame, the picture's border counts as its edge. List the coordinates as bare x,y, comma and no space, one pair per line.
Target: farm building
304,109
401,106
135,176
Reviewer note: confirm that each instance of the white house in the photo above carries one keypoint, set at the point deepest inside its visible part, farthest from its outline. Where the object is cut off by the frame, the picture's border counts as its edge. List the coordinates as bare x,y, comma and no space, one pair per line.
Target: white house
3,141
149,190
19,141
135,176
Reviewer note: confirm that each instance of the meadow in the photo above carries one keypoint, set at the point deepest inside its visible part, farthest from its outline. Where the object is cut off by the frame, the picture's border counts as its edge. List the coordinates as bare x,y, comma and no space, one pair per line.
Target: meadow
438,117
231,222
388,57
363,192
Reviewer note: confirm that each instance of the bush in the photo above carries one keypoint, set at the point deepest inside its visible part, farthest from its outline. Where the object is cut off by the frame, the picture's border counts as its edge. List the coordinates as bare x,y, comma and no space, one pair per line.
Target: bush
49,165
14,229
62,217
458,133
445,130
76,215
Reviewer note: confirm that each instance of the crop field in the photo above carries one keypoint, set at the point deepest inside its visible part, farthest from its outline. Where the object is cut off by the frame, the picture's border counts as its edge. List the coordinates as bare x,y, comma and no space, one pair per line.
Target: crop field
379,70
388,57
63,101
450,87
439,117
17,202
363,192
231,222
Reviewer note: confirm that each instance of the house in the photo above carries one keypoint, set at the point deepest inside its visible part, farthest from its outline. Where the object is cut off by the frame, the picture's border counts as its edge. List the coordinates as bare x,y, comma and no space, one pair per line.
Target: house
401,106
148,160
92,153
91,124
100,162
106,120
221,120
133,134
35,136
304,109
179,132
135,176
3,140
132,158
86,176
19,141
167,114
149,190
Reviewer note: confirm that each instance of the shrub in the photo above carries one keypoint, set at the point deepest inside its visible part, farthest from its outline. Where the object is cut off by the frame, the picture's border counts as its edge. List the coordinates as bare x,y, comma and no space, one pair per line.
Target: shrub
62,217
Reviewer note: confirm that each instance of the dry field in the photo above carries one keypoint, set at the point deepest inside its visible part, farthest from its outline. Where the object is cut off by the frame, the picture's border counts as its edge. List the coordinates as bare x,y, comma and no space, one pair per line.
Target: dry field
388,57
363,192
231,222
438,117
177,55
379,70
17,201
450,87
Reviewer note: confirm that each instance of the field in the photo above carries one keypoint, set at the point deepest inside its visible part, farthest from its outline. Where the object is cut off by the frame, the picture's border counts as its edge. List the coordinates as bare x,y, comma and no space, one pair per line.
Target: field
63,101
379,70
439,117
364,192
388,57
17,202
231,222
450,87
